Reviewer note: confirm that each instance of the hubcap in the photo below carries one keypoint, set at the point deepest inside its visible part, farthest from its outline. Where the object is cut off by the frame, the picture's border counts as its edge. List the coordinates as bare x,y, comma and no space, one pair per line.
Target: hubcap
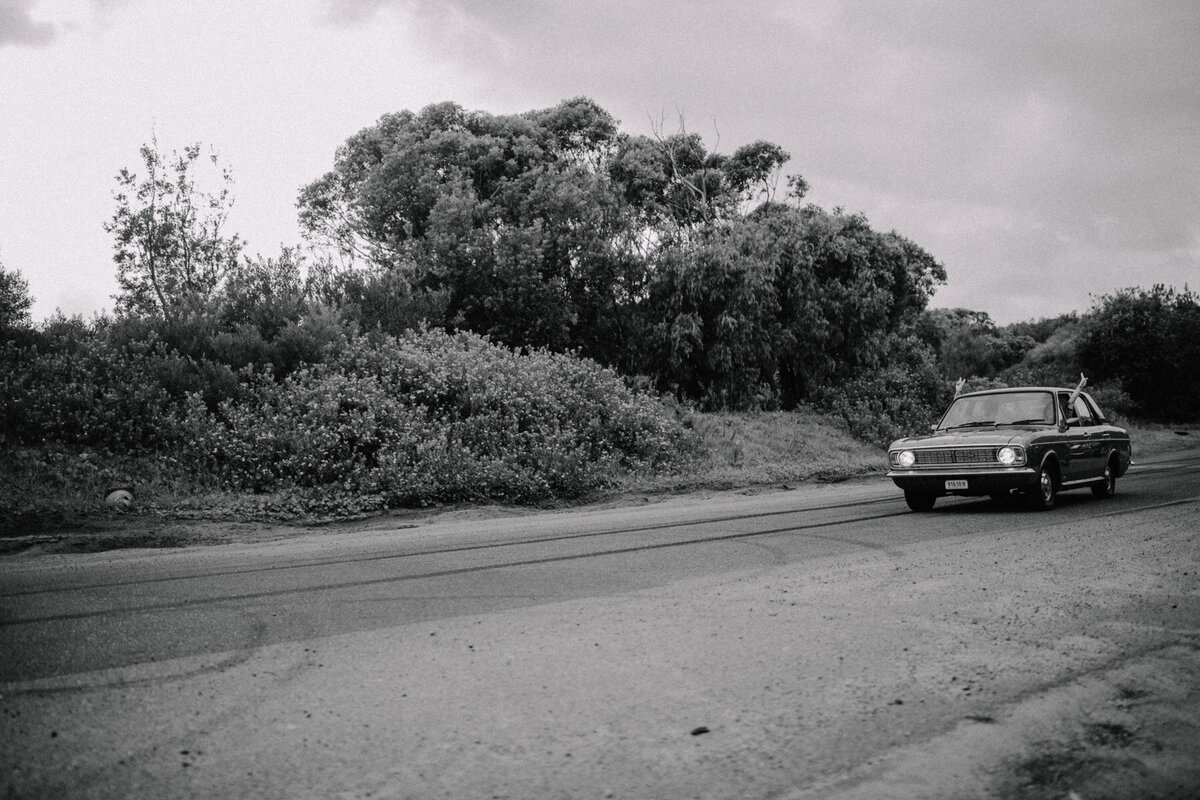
1047,486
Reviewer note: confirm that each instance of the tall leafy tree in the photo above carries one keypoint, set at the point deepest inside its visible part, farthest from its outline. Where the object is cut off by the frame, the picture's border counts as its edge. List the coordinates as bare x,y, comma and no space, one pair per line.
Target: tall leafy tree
754,170
968,343
512,218
782,304
1053,359
170,244
677,186
714,317
15,301
1148,342
264,293
653,254
845,291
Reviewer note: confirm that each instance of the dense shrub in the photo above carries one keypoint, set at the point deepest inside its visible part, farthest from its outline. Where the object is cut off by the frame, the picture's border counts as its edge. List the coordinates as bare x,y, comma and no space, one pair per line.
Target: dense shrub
219,348
1148,343
1115,403
1054,361
74,387
432,417
901,399
15,303
350,422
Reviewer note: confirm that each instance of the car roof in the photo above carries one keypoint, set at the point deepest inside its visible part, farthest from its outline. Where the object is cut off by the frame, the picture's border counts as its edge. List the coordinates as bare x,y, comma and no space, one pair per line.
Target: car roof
1018,389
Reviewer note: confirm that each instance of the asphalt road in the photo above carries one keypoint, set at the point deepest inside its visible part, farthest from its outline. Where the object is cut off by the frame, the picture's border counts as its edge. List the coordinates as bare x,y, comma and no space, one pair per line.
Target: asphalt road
142,662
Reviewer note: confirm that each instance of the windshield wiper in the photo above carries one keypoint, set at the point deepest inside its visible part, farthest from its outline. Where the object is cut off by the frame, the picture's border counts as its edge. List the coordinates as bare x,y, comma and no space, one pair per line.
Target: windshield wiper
1034,421
976,424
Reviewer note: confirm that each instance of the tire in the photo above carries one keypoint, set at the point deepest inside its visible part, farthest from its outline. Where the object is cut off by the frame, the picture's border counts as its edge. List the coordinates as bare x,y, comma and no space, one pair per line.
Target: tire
1107,487
1044,495
919,501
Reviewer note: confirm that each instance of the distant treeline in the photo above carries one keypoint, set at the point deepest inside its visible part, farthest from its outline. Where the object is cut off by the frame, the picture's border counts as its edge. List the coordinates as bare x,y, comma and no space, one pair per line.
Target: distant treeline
585,264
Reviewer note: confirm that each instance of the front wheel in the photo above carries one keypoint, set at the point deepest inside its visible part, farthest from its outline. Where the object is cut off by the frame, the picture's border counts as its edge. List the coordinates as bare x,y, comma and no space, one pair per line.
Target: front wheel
920,501
1045,495
1107,486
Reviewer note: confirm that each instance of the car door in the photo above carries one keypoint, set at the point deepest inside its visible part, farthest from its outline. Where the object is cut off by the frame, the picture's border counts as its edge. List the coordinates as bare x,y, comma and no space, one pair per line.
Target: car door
1106,437
1085,441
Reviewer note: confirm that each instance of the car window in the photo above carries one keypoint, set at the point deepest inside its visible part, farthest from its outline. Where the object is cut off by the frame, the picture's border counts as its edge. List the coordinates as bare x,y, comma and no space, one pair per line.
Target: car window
1082,411
1097,412
1007,408
1026,409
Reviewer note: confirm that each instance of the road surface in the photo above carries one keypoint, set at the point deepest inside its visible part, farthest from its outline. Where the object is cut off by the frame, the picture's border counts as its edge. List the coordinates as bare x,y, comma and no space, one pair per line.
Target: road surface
822,642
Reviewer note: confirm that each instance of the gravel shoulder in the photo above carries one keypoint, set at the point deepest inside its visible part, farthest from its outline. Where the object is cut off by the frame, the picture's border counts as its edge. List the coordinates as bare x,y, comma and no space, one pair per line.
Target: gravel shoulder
1126,731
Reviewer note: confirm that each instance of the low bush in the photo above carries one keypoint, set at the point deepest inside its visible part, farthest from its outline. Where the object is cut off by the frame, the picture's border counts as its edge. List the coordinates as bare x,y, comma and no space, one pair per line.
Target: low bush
433,417
1115,403
84,391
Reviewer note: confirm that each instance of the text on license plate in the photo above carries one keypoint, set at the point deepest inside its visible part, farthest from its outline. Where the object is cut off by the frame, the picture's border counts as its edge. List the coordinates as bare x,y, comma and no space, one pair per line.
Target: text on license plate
951,485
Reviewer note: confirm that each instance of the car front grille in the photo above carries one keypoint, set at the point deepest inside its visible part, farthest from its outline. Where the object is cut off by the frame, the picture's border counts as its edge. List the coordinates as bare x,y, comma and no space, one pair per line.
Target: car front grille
956,455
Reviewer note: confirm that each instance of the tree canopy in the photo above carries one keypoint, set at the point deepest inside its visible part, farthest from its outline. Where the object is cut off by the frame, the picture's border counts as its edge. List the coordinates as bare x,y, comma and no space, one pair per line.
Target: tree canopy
15,301
1148,342
650,253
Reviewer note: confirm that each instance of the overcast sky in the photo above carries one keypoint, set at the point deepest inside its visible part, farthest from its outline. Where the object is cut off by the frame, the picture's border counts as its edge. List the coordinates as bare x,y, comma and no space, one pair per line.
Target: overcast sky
1045,152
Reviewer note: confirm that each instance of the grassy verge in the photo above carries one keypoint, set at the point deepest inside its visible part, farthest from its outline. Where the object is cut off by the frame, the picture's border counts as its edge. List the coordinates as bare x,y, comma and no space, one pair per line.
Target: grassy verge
56,489
57,495
776,448
1158,440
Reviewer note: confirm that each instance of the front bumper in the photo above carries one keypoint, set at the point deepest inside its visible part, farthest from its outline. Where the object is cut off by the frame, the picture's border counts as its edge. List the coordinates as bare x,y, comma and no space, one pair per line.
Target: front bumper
979,482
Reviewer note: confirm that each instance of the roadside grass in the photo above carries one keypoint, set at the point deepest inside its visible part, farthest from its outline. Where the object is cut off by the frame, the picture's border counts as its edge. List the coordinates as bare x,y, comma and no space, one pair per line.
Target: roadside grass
1153,440
46,489
55,490
769,448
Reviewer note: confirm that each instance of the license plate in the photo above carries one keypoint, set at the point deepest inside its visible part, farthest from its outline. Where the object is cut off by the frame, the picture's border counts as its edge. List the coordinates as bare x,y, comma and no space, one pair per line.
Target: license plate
952,485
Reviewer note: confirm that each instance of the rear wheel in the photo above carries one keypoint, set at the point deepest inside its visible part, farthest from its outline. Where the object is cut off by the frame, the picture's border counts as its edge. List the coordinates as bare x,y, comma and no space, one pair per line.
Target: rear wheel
1045,494
920,501
1107,486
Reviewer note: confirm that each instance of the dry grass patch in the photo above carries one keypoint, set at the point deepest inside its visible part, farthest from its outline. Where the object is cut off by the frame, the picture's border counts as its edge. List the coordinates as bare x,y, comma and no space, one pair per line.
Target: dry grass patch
770,448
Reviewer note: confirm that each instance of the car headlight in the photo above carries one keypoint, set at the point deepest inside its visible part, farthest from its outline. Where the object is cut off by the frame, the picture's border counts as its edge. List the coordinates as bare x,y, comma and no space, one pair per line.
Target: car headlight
906,458
1010,456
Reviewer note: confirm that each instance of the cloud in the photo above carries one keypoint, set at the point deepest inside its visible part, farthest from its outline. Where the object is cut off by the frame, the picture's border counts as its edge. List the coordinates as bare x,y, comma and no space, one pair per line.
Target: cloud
351,12
1045,152
1072,124
19,28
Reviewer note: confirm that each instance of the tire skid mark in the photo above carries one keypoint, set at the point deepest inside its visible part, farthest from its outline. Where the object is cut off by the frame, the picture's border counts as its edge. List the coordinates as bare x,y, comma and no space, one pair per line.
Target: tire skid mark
104,679
1189,465
466,548
336,585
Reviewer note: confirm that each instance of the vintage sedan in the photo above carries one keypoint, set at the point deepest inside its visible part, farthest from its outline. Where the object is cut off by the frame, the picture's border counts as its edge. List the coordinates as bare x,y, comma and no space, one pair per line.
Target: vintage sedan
1034,441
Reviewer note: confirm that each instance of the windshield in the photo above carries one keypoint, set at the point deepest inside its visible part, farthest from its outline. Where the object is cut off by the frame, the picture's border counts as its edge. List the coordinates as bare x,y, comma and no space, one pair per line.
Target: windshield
1008,408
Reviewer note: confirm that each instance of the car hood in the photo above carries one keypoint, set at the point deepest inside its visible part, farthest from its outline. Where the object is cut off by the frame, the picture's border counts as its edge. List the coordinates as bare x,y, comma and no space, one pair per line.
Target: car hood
973,437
